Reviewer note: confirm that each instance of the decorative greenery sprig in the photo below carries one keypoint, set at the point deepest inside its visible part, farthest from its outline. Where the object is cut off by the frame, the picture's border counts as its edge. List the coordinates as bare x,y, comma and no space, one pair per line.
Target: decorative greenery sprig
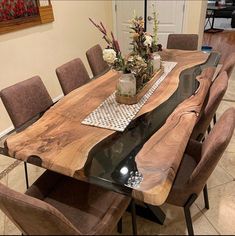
155,26
155,46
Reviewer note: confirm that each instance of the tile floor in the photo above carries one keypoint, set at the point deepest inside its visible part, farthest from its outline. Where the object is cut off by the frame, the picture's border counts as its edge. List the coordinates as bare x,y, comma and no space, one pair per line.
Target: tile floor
220,219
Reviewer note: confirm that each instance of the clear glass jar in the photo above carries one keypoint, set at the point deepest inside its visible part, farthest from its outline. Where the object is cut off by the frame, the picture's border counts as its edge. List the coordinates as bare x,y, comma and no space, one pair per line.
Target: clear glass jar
126,85
156,62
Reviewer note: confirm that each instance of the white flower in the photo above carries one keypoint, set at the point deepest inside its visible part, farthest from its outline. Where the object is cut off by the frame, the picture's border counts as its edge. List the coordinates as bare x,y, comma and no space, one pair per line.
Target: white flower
148,40
139,58
131,59
109,55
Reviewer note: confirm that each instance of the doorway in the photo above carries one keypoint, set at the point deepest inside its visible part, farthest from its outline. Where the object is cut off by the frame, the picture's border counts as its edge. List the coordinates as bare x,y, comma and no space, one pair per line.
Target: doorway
170,16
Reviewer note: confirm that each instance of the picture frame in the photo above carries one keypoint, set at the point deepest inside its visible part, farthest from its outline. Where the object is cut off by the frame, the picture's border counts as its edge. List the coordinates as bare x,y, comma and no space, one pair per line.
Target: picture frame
21,14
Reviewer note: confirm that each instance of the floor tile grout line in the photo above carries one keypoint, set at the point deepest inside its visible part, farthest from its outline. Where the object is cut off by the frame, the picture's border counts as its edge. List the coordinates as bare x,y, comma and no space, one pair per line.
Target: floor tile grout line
227,172
230,151
208,220
221,185
228,100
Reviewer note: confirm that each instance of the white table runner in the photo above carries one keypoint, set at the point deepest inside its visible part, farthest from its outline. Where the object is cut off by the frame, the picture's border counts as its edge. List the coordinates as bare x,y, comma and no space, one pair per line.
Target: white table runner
115,116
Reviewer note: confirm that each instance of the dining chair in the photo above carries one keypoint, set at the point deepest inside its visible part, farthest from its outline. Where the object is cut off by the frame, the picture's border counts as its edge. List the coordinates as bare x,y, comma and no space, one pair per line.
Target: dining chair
25,100
197,165
222,42
95,59
215,95
60,205
72,75
228,64
182,41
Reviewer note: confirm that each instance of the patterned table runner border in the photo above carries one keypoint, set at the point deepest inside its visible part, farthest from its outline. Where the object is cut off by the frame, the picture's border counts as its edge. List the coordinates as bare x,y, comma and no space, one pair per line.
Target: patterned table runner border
115,116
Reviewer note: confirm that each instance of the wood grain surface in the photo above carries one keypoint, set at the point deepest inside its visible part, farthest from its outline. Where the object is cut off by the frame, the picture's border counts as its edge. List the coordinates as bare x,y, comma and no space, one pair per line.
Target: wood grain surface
59,142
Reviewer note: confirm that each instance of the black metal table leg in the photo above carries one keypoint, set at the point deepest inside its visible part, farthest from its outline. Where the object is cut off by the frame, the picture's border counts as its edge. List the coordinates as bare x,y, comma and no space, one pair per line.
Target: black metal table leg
152,213
133,215
206,199
26,175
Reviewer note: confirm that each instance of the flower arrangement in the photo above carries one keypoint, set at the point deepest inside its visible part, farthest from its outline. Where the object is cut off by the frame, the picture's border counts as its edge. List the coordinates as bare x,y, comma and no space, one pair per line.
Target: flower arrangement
140,61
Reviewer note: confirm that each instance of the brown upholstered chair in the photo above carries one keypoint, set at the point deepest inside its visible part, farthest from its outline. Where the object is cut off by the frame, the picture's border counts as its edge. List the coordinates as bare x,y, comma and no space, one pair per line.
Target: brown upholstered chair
72,75
228,64
222,42
198,163
60,205
216,93
25,100
182,41
95,59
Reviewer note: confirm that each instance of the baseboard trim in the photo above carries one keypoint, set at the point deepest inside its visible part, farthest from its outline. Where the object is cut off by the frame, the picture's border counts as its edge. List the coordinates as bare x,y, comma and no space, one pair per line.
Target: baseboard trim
58,98
7,130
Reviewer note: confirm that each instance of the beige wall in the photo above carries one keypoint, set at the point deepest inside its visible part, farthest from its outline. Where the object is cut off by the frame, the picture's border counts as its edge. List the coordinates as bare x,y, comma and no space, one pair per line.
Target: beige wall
39,50
194,18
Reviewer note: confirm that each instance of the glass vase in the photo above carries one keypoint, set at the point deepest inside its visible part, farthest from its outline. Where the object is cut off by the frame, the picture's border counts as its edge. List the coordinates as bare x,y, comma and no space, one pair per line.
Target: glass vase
156,62
126,85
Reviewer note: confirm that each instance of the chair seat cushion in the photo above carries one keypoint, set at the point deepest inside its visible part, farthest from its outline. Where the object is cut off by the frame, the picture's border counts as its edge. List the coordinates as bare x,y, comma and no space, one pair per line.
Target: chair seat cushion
88,207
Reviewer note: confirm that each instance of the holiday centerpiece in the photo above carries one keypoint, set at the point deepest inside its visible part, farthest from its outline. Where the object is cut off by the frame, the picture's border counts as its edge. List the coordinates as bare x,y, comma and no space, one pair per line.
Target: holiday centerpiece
141,67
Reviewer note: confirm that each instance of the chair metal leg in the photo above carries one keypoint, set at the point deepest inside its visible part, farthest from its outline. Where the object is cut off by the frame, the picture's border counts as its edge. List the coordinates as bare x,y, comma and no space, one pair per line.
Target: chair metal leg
188,219
187,213
214,119
119,226
206,199
133,215
26,175
209,129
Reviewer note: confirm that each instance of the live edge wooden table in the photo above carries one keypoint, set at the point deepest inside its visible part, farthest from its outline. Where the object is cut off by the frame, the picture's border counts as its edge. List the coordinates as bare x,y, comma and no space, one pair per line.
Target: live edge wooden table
59,142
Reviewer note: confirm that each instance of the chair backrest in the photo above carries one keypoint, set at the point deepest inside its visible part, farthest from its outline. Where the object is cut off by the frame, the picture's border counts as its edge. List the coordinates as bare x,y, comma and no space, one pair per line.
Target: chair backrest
33,216
182,41
72,75
212,149
95,59
25,100
222,42
228,64
215,95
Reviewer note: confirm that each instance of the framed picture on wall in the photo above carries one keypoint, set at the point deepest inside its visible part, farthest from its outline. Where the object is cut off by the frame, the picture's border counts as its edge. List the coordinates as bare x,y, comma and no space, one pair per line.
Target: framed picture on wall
18,9
20,14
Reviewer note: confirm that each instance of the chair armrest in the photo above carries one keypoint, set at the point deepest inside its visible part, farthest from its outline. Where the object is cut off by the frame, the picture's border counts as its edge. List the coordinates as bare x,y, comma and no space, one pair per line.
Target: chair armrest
194,149
43,185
